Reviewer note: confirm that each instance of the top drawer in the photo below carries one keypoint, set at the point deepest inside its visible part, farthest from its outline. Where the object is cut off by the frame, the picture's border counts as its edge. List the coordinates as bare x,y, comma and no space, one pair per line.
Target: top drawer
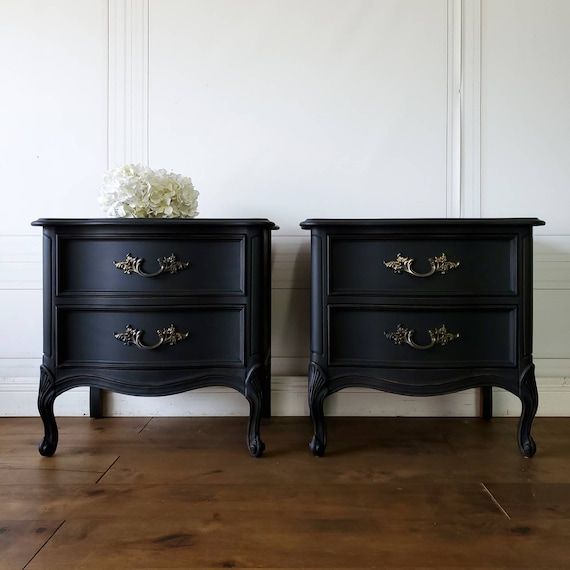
369,265
185,266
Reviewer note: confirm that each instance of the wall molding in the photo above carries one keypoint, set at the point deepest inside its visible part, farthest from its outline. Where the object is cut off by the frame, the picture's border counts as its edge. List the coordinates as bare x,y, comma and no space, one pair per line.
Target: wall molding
128,89
453,127
471,108
463,131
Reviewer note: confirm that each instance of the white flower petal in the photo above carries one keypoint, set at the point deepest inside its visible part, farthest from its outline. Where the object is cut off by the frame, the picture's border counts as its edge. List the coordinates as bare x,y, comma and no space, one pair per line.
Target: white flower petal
137,191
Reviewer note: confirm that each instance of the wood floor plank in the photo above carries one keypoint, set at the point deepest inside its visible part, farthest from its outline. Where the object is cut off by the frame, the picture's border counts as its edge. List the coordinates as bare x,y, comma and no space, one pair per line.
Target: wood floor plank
288,432
74,432
252,538
361,464
180,466
533,500
149,501
33,477
70,466
509,467
21,540
183,493
70,459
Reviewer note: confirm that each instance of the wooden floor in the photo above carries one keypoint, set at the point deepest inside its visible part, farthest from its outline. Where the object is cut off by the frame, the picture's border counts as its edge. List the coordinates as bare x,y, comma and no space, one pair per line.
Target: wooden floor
183,493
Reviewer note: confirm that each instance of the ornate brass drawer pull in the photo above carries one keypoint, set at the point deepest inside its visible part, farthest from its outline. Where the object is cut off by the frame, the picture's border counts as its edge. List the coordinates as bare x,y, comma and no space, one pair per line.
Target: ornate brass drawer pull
439,336
168,264
169,336
438,265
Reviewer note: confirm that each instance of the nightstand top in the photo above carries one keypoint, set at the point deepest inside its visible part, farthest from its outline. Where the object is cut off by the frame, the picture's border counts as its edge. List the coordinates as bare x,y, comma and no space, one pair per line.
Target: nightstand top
228,222
375,222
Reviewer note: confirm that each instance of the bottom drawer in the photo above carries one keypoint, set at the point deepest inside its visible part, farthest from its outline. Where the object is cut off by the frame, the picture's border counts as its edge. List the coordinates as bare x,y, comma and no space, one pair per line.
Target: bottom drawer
389,336
143,337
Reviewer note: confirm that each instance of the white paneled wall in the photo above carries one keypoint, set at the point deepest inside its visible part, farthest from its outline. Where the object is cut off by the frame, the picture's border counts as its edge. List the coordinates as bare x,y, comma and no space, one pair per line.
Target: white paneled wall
525,112
53,109
525,160
287,109
53,148
293,108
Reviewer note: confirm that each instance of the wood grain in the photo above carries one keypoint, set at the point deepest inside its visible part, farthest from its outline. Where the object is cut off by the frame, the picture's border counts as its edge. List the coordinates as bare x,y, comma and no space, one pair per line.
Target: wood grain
179,493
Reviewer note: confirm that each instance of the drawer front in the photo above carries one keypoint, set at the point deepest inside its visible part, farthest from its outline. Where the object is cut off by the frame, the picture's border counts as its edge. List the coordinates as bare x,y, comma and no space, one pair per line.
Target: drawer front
399,337
189,266
202,336
372,266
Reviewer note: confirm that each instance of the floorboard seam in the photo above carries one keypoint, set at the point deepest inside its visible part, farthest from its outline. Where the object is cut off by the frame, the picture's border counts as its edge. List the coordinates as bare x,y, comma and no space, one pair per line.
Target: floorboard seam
495,502
107,470
43,545
144,427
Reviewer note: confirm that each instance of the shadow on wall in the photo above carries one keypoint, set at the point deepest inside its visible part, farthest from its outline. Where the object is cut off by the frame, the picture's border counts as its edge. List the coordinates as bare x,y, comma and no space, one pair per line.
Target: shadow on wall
291,288
552,305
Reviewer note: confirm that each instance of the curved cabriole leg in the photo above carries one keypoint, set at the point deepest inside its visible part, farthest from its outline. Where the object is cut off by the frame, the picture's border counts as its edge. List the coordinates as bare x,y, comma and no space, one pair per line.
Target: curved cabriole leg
317,394
529,398
254,394
46,399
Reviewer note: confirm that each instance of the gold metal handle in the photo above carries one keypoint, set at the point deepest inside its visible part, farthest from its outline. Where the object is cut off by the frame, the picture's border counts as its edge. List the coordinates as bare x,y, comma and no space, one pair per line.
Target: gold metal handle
168,264
438,265
169,336
439,336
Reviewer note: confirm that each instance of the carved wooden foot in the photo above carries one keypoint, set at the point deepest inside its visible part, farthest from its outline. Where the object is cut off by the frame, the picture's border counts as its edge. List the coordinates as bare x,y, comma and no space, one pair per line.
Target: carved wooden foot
46,399
529,398
317,393
254,395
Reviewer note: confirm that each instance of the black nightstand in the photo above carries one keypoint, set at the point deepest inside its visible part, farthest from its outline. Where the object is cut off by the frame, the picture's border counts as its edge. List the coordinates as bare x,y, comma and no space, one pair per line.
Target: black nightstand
422,307
156,307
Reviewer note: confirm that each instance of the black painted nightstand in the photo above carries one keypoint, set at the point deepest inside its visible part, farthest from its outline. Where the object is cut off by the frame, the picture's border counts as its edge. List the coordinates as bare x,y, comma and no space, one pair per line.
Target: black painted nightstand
153,307
422,307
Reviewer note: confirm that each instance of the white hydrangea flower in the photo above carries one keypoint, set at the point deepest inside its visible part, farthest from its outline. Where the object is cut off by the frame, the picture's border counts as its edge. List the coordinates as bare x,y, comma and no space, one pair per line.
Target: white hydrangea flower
135,191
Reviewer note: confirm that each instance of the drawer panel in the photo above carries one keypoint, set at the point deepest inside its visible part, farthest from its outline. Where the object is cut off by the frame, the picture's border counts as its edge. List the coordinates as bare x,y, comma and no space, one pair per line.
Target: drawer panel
357,337
86,337
214,266
487,266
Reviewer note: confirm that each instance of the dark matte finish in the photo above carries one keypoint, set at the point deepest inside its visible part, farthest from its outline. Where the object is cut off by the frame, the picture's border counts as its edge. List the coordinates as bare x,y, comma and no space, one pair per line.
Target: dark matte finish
217,265
144,222
216,337
486,265
357,332
220,302
487,300
376,223
95,403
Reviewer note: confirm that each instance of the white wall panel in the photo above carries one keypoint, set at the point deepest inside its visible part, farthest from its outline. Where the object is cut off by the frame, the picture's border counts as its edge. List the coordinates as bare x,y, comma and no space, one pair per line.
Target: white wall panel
551,323
525,131
552,262
21,323
53,105
20,262
525,145
299,108
53,152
